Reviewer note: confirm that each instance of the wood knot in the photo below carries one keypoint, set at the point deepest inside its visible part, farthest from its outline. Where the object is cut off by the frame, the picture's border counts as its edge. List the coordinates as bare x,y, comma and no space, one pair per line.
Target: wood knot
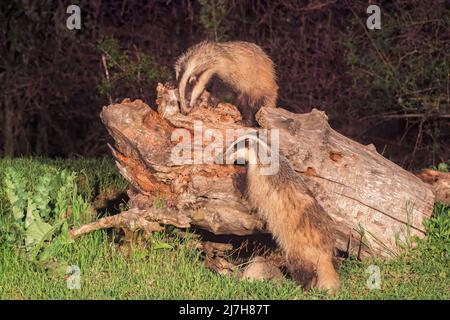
335,156
310,172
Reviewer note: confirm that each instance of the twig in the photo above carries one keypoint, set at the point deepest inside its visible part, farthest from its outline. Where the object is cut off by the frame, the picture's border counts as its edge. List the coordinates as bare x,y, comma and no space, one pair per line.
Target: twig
148,220
105,68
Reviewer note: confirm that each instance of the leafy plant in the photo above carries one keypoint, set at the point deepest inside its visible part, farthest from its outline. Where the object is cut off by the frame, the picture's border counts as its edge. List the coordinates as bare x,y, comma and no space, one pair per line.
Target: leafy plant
42,214
212,16
442,167
134,68
438,226
399,74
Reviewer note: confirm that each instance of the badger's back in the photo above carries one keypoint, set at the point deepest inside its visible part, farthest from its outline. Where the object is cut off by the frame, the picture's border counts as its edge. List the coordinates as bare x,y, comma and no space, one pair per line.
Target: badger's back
251,71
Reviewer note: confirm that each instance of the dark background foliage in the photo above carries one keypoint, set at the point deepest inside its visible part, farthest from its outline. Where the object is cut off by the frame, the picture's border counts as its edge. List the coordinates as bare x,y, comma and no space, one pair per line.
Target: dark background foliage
389,87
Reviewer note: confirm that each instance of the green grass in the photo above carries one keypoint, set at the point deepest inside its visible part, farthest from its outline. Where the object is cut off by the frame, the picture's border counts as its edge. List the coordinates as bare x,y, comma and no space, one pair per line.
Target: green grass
110,271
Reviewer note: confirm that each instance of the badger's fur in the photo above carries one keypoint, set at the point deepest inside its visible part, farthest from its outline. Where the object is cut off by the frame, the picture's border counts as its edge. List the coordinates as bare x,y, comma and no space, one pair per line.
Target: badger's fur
298,223
241,65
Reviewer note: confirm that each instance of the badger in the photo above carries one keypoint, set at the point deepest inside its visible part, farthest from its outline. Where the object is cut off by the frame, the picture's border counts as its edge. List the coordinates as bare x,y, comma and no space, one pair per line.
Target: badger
298,223
243,66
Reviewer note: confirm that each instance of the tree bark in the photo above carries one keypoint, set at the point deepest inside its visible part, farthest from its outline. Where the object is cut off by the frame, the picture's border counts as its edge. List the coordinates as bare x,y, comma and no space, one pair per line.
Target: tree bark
374,203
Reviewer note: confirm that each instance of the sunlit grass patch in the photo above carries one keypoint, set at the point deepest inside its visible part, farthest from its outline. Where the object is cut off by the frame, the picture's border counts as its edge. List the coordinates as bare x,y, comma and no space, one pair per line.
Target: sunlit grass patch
167,266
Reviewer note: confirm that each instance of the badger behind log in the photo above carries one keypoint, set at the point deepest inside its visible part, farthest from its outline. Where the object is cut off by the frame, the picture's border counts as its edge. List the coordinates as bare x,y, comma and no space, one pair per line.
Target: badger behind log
241,65
298,223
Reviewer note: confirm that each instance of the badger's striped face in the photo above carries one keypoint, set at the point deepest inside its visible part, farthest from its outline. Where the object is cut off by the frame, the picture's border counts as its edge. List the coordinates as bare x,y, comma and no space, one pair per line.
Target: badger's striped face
193,71
180,68
190,87
192,81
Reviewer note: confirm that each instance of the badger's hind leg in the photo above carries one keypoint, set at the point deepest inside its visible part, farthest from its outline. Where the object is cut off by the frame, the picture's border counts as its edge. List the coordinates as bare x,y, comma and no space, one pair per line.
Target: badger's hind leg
314,271
327,277
304,274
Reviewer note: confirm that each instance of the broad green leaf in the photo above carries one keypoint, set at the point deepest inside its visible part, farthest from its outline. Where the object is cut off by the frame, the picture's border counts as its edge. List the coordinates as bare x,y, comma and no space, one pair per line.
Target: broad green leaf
32,213
15,193
36,232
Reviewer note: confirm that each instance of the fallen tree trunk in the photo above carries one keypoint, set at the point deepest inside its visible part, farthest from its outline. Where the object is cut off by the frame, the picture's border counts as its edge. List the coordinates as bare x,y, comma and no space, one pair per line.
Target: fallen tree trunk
373,202
440,183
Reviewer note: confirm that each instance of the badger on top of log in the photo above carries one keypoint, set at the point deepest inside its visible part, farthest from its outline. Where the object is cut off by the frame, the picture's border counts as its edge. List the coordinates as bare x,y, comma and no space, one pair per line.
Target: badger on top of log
296,220
244,66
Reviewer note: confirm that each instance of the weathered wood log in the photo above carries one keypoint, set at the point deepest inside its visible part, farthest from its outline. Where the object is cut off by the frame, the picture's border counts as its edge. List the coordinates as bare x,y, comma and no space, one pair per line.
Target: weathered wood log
374,202
440,182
